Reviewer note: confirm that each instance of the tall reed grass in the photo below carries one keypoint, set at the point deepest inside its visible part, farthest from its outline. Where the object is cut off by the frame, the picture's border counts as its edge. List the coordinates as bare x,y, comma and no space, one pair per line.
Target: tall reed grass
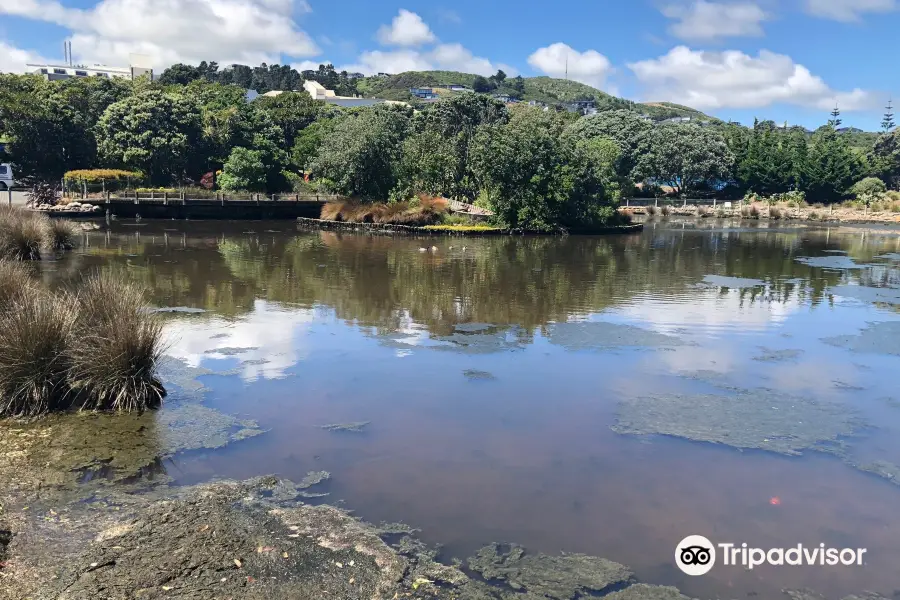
423,211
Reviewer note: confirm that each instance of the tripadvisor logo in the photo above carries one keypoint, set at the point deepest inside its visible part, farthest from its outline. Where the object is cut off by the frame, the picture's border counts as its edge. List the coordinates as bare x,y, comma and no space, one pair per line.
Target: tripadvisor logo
696,555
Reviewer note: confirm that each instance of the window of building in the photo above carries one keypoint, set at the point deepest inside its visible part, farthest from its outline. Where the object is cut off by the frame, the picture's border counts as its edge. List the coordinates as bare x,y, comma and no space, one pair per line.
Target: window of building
102,74
59,71
43,71
80,73
3,169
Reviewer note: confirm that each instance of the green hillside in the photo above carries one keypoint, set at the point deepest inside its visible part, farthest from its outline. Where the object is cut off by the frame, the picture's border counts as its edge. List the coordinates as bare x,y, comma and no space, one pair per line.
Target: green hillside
548,90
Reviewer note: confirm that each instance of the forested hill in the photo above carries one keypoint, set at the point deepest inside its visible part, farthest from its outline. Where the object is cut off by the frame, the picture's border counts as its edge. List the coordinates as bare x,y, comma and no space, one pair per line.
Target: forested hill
548,90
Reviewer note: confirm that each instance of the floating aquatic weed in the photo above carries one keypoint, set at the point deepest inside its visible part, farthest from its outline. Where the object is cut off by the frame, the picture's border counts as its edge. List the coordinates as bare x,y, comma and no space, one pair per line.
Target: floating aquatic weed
769,355
313,478
732,282
883,468
811,595
472,327
642,591
558,577
875,295
356,426
601,335
746,419
468,340
878,338
829,262
476,375
231,351
193,426
255,362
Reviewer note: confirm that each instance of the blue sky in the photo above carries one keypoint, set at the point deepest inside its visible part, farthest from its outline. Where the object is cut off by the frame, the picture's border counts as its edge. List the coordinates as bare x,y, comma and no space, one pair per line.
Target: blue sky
789,60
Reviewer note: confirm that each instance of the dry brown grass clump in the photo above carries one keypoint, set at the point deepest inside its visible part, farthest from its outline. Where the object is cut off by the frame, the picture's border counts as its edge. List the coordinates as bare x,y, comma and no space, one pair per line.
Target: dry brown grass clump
424,211
35,332
15,281
25,235
117,347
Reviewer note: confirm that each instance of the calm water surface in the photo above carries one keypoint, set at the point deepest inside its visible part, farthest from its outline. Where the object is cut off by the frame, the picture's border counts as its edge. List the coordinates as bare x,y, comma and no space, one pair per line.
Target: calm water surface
489,421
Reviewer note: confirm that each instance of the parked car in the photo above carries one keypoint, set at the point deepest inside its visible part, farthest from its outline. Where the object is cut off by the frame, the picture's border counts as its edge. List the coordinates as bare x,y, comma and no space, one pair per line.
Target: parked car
6,177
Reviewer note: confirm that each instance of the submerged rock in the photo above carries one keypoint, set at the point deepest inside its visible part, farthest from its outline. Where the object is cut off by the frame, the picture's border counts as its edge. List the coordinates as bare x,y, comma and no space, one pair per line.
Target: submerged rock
476,375
760,419
642,591
558,577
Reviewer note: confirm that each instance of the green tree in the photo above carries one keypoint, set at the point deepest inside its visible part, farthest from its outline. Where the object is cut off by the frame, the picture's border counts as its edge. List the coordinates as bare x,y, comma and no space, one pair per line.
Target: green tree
519,84
685,157
361,155
153,132
244,170
625,127
308,142
535,177
481,85
832,167
293,112
887,123
448,126
179,74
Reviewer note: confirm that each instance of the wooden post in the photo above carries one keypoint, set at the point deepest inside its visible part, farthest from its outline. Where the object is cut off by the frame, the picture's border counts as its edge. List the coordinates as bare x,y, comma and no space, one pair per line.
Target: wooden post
297,198
714,203
274,199
9,193
107,197
656,202
151,195
165,198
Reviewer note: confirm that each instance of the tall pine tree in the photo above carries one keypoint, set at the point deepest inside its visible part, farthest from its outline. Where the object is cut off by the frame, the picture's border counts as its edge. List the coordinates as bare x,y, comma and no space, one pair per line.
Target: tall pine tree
888,122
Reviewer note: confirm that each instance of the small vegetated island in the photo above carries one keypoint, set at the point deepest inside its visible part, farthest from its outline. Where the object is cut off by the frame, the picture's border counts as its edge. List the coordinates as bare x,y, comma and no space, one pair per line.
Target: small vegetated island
533,154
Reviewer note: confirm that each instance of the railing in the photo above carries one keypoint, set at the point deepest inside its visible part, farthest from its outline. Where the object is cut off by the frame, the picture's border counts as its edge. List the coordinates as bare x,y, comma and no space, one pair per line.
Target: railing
222,197
714,202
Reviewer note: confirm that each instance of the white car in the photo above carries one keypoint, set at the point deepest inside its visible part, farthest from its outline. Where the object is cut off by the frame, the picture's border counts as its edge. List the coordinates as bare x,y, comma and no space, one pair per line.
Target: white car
6,177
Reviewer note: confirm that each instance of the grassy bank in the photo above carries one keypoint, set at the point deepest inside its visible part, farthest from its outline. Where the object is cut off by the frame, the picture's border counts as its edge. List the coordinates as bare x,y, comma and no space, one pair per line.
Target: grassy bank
92,348
27,235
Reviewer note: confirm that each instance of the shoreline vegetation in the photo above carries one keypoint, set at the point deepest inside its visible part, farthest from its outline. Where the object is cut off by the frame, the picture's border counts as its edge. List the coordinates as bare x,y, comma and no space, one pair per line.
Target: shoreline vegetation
94,348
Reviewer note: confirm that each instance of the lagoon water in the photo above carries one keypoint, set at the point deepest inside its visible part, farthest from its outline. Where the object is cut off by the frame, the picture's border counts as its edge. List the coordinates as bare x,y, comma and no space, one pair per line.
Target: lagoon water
603,395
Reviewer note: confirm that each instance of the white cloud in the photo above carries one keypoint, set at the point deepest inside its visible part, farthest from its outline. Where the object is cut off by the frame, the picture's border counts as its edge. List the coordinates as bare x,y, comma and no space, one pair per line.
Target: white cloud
407,29
701,20
588,67
169,31
450,57
308,65
12,59
848,10
732,79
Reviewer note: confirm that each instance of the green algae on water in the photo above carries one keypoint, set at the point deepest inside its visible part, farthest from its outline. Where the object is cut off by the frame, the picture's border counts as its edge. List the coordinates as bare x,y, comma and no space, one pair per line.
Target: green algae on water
355,427
642,591
559,577
601,335
769,355
476,375
746,419
879,338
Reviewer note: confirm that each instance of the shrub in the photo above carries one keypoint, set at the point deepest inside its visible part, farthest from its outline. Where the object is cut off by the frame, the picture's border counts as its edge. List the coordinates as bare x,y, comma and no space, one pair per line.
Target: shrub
893,195
94,175
34,335
42,192
720,214
23,234
813,216
869,186
703,212
456,219
62,234
116,349
774,213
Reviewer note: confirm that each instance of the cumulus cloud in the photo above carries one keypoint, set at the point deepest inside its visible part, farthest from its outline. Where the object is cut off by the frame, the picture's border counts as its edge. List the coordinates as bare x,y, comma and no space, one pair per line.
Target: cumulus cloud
407,29
169,31
849,10
732,79
12,59
450,57
701,20
589,67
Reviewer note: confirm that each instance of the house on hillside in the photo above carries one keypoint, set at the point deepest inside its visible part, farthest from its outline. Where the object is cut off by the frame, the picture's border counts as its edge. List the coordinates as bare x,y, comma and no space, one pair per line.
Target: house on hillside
423,93
677,120
506,98
383,75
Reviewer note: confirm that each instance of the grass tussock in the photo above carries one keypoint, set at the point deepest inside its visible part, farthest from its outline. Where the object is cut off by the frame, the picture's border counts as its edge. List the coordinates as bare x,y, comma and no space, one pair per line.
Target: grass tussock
422,211
35,333
774,213
97,348
15,281
117,347
651,210
26,235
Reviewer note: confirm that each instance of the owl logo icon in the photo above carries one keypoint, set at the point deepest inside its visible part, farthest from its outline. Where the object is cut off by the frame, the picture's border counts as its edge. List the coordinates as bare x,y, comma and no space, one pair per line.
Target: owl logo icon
695,555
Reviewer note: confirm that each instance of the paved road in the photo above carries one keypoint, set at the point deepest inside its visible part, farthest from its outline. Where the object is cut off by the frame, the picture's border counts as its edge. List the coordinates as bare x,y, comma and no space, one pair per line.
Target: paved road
17,198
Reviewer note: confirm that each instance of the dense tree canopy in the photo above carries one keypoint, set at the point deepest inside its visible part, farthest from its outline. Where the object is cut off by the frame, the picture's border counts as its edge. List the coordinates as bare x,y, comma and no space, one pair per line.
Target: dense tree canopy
536,168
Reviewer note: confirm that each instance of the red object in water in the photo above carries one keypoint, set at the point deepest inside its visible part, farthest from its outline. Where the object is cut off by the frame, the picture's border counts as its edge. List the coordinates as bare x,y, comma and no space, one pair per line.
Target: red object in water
774,500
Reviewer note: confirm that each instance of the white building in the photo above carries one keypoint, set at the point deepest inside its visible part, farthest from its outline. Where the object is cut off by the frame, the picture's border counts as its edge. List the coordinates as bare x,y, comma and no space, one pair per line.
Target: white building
140,65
